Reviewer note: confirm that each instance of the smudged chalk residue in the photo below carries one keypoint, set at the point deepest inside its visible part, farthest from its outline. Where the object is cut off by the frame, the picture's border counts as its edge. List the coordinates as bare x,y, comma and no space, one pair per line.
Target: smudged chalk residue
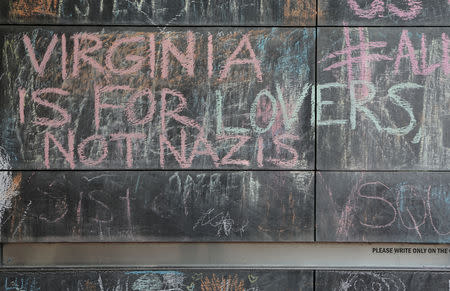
446,130
151,280
28,8
8,184
367,281
147,282
153,272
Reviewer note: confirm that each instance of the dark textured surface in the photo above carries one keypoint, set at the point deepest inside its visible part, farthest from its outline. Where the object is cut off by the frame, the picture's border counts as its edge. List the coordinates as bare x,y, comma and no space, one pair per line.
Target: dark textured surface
381,280
160,12
383,105
214,280
190,280
383,207
396,117
384,12
160,206
264,121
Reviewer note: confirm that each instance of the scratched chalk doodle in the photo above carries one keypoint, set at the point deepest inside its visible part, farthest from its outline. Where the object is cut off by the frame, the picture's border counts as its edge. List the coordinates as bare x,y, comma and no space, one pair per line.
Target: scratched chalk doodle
371,281
8,185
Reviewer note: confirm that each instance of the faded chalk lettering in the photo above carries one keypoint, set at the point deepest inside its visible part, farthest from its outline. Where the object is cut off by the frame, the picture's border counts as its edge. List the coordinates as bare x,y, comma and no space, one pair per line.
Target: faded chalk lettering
124,206
383,207
162,13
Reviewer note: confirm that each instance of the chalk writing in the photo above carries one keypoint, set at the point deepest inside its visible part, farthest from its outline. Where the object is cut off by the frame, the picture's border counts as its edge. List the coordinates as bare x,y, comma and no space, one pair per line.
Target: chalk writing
22,284
380,280
157,118
163,280
371,280
369,86
163,13
271,127
383,12
377,7
215,283
137,206
26,8
379,205
222,222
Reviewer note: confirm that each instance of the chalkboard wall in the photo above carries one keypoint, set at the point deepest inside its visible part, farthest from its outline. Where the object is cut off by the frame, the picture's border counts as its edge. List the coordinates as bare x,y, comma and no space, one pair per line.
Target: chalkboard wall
214,280
161,12
381,206
114,98
145,206
190,279
381,280
384,12
389,95
240,120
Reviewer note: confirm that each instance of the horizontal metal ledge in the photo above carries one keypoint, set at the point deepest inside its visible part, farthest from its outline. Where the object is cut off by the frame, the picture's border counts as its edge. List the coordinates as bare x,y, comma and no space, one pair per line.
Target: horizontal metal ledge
228,255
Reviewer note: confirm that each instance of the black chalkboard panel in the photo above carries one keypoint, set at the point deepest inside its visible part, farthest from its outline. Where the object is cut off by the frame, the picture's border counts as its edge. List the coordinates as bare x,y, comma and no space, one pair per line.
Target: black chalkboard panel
140,280
197,98
160,12
383,99
381,280
157,206
384,12
383,207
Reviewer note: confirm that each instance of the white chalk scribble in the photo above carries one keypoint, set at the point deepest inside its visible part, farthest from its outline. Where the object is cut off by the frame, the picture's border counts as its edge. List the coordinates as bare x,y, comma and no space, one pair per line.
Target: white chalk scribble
223,223
8,184
371,281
